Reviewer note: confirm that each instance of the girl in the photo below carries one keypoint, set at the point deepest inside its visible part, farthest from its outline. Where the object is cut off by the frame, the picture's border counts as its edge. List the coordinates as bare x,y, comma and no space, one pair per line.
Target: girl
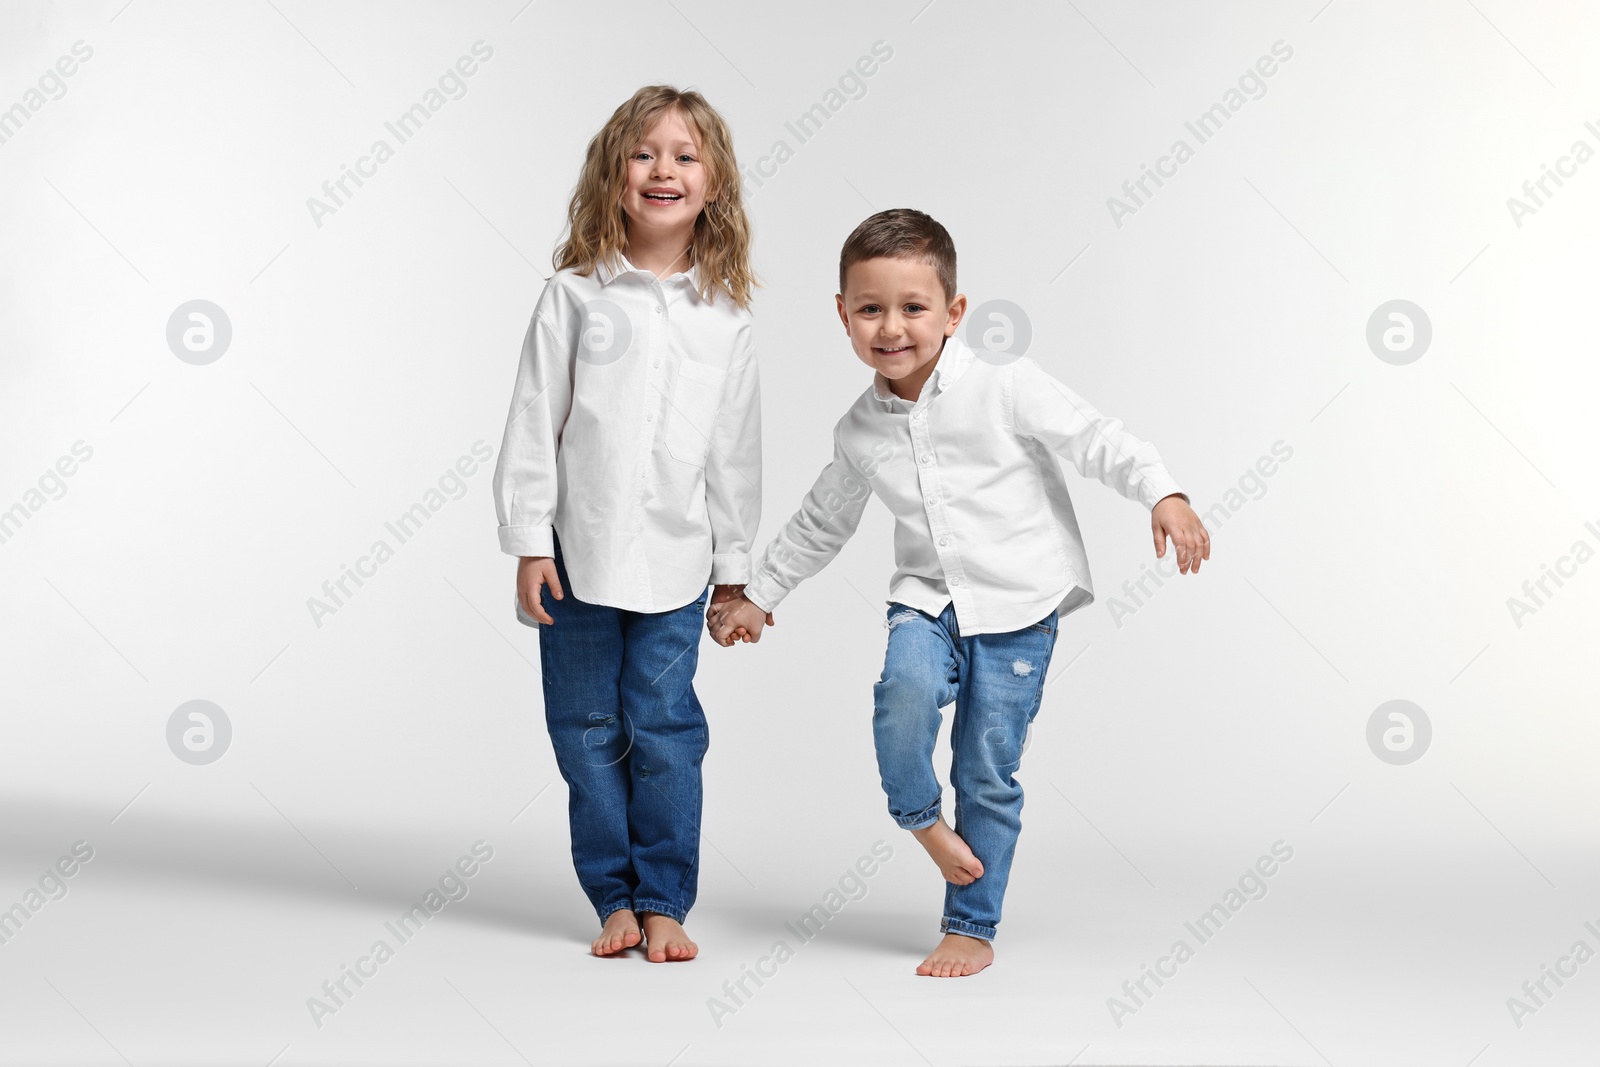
629,480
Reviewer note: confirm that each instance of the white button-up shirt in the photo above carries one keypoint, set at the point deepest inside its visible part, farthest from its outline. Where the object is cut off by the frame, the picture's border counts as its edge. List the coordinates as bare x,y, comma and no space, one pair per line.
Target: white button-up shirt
634,436
982,515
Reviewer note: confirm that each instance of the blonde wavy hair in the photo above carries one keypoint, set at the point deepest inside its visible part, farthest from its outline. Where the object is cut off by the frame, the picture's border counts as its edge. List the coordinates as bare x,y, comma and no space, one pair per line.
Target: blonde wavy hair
597,226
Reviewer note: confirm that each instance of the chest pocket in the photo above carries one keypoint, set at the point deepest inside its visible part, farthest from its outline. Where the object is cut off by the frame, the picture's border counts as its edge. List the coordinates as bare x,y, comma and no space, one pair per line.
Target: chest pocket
692,413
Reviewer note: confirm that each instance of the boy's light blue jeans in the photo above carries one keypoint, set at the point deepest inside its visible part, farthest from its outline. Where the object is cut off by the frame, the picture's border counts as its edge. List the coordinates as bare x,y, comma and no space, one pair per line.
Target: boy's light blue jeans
629,736
996,682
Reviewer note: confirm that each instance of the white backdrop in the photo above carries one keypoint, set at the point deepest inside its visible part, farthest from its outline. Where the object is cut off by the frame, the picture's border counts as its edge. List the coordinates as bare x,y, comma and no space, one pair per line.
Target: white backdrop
1409,491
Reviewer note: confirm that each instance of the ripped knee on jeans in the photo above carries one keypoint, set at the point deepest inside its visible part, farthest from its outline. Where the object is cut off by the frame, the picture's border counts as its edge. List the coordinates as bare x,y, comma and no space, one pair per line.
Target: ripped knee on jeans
899,617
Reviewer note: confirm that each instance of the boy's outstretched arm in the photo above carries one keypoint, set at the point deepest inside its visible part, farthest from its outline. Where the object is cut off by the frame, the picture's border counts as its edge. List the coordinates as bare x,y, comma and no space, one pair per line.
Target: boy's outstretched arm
1100,447
808,542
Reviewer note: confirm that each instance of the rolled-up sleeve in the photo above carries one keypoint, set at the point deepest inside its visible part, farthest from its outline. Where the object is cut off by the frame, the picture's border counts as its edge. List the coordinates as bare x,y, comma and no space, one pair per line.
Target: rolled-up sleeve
809,541
733,473
1098,445
525,475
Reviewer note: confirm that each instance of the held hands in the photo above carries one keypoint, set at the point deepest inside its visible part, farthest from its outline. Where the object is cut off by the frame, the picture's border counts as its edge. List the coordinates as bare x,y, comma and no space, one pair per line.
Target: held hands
732,617
1174,518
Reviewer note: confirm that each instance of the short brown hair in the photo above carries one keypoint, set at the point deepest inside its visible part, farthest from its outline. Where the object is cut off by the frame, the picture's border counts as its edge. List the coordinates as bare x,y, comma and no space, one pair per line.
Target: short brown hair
902,233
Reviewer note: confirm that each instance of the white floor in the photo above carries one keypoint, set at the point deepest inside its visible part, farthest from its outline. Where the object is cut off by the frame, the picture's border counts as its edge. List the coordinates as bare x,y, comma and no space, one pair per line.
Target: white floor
196,937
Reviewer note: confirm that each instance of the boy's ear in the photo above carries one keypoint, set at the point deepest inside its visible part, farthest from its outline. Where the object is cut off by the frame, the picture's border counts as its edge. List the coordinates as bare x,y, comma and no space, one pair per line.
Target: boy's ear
958,311
844,316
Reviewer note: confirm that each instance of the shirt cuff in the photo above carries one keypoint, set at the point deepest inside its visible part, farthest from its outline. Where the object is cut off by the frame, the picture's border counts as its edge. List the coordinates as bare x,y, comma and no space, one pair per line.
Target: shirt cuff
528,540
764,592
1158,486
730,568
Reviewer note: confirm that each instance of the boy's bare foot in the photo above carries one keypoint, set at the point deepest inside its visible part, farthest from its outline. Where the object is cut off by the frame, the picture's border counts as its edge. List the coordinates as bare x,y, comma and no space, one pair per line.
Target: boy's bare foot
667,940
956,861
620,931
957,956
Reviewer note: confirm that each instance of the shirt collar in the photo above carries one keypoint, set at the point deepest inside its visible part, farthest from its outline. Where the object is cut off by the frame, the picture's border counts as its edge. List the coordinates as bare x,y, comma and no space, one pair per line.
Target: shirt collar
953,362
607,272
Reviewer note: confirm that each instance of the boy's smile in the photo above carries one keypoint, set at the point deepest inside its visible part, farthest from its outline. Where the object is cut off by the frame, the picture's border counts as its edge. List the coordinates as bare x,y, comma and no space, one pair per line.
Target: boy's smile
898,316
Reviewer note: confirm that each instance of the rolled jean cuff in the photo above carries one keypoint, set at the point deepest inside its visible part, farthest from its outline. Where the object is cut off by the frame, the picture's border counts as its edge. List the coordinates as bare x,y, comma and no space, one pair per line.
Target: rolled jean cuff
920,820
948,925
659,907
611,909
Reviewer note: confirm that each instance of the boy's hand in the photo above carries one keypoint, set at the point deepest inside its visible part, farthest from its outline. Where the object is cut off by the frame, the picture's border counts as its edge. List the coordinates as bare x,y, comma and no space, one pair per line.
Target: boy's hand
721,594
1174,518
737,619
533,572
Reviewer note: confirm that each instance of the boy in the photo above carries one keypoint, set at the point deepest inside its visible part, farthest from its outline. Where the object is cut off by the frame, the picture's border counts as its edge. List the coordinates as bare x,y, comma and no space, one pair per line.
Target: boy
962,448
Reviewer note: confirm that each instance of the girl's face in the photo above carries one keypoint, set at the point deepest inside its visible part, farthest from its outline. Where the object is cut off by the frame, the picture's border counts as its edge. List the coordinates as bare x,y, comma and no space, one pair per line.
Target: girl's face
667,182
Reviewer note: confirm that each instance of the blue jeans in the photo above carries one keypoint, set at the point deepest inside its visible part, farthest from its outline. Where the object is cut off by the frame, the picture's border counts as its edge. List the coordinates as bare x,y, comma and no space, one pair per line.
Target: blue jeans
995,682
629,736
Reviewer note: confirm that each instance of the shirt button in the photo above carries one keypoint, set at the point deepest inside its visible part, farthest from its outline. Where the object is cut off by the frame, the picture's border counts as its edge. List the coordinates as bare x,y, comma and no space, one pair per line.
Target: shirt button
944,541
956,580
933,500
927,459
649,416
918,415
659,309
655,363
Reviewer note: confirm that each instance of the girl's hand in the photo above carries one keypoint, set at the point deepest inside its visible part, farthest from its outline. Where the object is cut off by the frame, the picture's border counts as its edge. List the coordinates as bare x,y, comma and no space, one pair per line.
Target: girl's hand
1174,518
720,596
737,620
533,572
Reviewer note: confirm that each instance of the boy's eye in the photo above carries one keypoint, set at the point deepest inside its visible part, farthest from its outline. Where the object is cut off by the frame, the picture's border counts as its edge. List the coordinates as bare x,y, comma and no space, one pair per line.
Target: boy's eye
914,308
871,309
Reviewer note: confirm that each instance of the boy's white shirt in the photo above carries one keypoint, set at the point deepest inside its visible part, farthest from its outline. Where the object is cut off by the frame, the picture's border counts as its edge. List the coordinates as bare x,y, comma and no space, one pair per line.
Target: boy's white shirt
647,464
982,514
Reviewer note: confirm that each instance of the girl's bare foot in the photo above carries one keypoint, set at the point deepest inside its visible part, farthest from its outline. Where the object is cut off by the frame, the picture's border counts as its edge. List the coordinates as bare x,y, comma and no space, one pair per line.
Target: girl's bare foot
957,956
620,931
666,939
956,861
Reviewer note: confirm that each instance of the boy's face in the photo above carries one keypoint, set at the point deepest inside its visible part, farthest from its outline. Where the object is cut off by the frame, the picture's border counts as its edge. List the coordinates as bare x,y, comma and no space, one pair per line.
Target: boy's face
667,181
897,316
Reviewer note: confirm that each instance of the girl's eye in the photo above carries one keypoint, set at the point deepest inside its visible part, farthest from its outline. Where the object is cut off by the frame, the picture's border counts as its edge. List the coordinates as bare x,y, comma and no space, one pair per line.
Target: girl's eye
686,159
